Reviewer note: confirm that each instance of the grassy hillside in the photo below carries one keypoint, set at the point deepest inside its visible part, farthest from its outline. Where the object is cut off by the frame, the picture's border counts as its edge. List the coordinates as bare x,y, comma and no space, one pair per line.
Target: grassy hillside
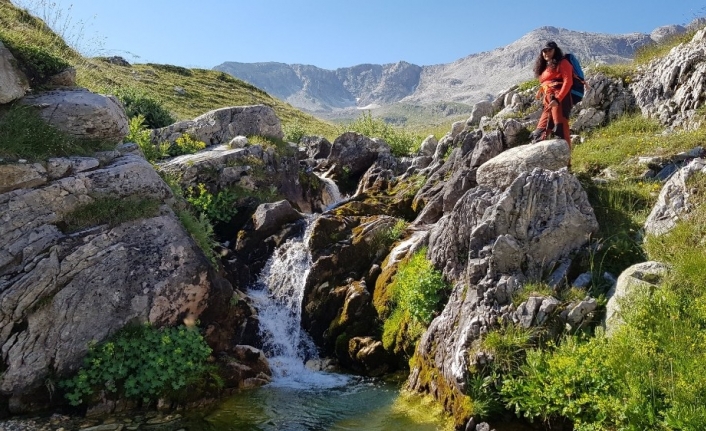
203,90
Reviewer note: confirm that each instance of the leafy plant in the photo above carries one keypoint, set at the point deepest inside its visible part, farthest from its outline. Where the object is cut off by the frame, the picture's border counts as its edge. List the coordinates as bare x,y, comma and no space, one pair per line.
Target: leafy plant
218,208
185,144
201,230
418,287
142,363
139,134
574,381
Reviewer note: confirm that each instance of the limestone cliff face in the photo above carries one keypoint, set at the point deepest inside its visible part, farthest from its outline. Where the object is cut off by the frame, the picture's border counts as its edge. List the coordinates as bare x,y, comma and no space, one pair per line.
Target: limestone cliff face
468,80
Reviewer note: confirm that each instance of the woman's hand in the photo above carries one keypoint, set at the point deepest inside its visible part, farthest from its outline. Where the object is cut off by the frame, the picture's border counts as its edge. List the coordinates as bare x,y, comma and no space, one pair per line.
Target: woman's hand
554,102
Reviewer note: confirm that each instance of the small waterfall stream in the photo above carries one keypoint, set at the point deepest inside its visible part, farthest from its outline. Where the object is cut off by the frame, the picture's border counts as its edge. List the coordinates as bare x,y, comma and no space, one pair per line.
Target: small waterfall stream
278,296
300,398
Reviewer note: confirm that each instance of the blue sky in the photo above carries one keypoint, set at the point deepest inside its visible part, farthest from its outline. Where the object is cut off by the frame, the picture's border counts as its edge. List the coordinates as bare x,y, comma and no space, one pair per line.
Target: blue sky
337,33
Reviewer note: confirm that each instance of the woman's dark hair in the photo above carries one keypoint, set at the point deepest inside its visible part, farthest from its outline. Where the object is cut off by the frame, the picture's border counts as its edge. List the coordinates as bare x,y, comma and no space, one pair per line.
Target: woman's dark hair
540,63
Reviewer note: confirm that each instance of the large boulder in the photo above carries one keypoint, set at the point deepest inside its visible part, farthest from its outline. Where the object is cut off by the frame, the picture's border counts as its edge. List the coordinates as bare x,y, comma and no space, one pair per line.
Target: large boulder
351,155
645,275
59,291
606,99
673,201
488,247
13,83
221,125
671,88
81,113
500,171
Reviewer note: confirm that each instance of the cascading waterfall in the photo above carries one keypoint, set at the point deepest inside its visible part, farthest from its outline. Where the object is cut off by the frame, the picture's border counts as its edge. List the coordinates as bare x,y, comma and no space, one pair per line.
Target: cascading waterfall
331,195
278,296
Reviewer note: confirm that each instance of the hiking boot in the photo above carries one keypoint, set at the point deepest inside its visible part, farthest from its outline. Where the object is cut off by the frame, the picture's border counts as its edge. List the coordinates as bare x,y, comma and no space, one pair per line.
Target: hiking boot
536,136
558,131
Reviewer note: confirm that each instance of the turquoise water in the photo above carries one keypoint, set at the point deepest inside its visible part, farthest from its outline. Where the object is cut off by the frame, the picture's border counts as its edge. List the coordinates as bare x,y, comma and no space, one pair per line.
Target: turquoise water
359,405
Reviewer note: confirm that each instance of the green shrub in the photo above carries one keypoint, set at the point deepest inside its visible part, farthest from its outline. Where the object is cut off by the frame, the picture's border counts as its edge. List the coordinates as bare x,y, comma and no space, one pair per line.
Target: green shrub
401,142
141,136
418,287
218,208
141,363
24,135
185,144
111,211
294,132
138,103
528,85
416,293
37,63
574,381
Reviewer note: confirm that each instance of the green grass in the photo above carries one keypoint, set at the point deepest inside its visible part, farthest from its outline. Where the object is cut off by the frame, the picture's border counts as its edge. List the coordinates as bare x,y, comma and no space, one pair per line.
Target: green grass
649,52
111,211
620,143
24,135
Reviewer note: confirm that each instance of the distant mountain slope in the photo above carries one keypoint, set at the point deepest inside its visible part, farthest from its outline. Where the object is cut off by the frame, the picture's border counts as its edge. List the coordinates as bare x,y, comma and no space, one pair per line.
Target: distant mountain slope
467,80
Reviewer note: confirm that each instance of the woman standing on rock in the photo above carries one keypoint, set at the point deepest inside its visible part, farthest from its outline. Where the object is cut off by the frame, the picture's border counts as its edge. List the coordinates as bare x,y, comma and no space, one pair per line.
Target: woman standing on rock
555,75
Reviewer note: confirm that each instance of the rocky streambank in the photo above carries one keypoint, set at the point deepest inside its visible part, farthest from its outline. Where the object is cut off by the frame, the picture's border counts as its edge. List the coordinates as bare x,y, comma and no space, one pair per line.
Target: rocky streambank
488,212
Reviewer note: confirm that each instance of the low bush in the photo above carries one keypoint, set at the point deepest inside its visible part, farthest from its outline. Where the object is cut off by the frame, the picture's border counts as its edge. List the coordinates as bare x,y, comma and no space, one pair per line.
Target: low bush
417,291
142,363
138,103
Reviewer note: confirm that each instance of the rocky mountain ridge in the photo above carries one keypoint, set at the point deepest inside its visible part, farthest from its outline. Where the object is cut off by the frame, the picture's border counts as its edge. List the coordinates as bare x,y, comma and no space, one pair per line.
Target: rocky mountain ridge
328,92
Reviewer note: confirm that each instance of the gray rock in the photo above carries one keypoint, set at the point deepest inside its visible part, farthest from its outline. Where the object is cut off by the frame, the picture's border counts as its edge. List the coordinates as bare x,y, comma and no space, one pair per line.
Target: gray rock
671,88
13,83
238,142
269,217
583,280
17,176
82,114
221,125
645,275
60,292
673,201
480,109
316,147
61,167
500,171
428,147
65,78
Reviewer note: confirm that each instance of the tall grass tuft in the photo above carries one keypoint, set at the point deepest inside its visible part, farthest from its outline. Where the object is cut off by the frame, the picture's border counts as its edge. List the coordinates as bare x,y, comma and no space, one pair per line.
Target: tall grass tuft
401,142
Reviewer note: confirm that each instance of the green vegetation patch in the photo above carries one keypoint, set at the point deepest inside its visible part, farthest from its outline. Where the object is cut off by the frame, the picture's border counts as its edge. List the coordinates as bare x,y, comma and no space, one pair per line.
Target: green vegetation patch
138,103
24,135
416,295
110,210
401,142
142,363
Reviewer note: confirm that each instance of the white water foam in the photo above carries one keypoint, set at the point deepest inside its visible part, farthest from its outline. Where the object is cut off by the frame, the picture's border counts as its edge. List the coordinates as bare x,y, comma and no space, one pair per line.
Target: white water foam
278,296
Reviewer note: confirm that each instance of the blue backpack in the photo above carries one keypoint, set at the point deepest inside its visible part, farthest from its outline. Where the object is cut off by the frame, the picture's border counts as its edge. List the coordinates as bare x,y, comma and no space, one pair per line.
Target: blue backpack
578,87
